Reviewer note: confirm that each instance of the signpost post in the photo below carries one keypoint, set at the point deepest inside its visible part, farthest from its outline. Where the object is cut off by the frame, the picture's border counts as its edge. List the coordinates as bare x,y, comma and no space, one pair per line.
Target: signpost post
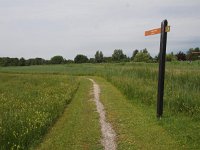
161,75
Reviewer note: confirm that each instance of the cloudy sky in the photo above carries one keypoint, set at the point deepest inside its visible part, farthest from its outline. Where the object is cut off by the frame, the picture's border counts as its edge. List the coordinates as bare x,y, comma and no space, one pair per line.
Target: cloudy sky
44,28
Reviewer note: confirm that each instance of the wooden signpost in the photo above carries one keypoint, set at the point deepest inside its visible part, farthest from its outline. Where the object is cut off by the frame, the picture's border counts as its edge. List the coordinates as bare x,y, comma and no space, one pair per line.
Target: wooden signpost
161,75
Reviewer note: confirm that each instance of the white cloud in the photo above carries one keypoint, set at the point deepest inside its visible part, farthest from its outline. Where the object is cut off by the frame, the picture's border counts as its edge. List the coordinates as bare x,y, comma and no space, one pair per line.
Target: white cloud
43,28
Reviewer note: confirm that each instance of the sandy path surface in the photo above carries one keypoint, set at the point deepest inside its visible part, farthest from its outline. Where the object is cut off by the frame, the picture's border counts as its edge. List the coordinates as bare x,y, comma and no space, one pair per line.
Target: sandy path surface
108,134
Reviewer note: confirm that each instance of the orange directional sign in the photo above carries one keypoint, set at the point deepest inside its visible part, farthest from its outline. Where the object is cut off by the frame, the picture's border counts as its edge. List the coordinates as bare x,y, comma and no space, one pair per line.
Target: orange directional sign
156,31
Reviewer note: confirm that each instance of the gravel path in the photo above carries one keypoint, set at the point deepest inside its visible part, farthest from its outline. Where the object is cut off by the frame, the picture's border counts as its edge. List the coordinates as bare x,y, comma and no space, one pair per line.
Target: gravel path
108,134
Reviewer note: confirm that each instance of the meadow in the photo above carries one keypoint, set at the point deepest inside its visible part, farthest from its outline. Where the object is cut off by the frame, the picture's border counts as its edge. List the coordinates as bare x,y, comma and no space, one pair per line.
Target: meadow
138,83
30,104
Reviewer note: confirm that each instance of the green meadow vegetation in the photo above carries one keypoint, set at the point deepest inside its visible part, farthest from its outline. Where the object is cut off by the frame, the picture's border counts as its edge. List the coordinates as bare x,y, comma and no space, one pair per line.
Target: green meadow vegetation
29,104
78,127
138,83
136,126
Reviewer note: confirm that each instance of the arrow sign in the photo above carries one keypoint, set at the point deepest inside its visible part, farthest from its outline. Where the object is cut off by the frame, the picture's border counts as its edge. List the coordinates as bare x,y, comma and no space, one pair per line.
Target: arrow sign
156,31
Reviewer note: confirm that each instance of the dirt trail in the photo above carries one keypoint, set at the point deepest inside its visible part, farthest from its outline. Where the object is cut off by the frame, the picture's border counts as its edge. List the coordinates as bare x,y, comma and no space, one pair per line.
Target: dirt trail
109,136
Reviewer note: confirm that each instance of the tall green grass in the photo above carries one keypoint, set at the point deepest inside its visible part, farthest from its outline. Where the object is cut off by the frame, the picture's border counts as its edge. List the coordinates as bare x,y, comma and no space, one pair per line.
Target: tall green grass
138,81
29,104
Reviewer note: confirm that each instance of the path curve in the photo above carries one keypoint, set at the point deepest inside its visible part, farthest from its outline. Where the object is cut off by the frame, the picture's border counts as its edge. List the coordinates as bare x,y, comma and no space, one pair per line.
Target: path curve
108,134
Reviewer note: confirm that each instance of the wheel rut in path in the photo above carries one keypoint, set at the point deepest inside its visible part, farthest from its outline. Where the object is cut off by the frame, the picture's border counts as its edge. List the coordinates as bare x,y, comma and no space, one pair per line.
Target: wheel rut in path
108,134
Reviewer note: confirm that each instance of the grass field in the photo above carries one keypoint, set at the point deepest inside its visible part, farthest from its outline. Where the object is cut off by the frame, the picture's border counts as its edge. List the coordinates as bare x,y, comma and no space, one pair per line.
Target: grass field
78,128
138,83
136,126
29,106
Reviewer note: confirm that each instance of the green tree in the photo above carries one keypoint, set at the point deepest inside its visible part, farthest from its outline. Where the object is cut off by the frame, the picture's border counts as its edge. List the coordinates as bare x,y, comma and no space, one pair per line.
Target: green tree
1,61
57,60
171,57
39,61
145,50
134,53
92,60
107,59
99,57
181,56
12,61
22,62
80,59
5,61
142,57
118,55
156,58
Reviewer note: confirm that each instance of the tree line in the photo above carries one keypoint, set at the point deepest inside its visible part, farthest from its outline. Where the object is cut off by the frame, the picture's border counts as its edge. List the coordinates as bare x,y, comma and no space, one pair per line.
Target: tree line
117,56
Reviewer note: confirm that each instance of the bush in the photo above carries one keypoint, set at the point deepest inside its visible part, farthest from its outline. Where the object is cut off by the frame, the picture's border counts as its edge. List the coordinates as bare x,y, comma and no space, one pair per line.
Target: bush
57,60
142,57
81,59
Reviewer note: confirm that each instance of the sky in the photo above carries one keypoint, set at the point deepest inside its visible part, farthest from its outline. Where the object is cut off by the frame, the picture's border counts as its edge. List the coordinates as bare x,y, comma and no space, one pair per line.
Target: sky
45,28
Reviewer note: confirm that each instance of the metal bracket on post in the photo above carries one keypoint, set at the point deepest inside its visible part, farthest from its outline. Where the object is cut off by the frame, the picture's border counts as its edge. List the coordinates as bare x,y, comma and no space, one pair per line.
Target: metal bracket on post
161,74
